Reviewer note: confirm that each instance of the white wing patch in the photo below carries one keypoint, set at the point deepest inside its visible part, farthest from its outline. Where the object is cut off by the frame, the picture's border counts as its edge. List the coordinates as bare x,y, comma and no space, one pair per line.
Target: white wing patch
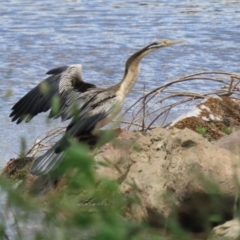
73,72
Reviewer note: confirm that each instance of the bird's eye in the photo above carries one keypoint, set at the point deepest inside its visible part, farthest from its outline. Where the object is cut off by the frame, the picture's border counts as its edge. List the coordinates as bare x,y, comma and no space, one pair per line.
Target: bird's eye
154,44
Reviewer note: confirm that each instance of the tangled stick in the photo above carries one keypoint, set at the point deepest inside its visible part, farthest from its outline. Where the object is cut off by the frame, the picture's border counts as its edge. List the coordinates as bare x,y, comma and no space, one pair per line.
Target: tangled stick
159,102
45,142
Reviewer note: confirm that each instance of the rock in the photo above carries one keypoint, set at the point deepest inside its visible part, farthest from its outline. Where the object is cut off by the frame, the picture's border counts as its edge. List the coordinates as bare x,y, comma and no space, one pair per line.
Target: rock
227,231
230,142
116,155
175,173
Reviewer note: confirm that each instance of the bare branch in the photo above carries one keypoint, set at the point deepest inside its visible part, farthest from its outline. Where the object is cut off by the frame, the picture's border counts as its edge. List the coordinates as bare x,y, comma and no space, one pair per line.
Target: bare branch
161,101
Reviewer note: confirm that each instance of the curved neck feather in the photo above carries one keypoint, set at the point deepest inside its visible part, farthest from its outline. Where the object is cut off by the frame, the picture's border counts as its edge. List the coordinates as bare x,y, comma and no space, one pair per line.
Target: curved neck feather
132,71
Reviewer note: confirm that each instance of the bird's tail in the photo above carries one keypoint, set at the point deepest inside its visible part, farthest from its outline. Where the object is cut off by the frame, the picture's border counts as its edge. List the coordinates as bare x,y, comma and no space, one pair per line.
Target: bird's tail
47,162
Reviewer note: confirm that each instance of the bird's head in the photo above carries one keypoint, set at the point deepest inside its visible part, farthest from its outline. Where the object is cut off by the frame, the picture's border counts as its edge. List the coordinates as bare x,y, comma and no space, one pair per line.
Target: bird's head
150,48
135,58
162,43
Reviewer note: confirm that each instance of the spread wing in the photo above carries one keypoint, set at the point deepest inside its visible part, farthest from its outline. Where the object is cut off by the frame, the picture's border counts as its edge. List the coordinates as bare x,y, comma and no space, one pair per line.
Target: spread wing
94,112
64,83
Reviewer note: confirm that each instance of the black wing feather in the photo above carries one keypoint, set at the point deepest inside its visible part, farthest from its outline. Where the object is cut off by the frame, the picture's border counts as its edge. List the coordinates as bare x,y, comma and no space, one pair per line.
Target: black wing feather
47,162
35,101
57,70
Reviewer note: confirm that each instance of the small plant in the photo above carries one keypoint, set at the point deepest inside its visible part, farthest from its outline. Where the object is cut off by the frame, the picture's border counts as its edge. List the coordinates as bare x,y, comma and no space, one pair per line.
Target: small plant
86,205
213,124
227,130
201,130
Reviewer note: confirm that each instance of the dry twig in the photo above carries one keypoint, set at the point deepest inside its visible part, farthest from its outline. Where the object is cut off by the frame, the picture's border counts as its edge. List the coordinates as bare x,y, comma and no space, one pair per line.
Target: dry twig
160,102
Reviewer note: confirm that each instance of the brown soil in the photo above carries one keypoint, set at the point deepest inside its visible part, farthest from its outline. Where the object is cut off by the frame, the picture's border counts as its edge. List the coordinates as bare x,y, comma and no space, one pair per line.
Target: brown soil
223,118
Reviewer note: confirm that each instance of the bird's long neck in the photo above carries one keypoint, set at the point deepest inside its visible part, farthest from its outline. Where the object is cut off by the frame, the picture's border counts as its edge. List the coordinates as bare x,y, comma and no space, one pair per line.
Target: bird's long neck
129,79
132,71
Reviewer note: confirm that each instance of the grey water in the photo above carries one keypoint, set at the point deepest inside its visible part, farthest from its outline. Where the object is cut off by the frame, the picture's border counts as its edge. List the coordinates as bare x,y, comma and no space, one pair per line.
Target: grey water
36,36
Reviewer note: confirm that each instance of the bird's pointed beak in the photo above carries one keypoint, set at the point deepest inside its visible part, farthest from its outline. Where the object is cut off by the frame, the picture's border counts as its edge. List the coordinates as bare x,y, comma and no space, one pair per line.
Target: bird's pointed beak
171,42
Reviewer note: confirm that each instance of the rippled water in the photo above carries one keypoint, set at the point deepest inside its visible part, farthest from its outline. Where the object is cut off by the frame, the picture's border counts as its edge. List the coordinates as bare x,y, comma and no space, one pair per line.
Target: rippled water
36,36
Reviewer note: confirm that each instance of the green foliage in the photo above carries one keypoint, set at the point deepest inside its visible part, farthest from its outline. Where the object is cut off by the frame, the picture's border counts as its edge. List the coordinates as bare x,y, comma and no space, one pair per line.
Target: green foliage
44,87
86,205
201,130
227,130
8,94
23,146
5,95
55,105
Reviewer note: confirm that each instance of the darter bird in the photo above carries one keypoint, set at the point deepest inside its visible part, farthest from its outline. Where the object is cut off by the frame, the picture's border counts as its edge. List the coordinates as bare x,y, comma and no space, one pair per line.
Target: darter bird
96,106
